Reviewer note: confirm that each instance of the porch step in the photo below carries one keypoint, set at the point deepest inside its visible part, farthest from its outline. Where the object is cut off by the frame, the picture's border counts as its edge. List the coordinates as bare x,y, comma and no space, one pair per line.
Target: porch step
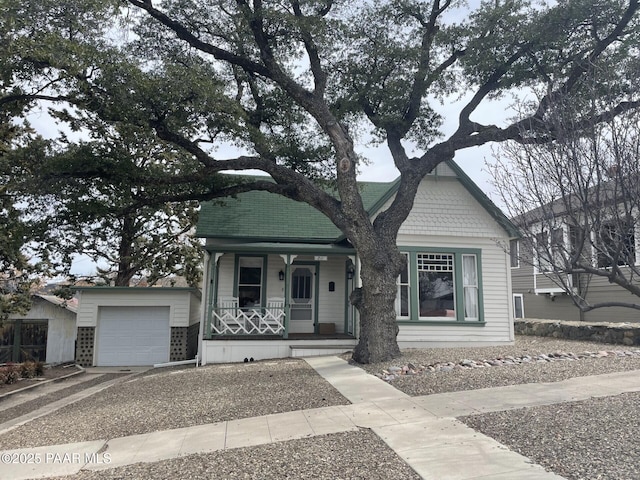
319,350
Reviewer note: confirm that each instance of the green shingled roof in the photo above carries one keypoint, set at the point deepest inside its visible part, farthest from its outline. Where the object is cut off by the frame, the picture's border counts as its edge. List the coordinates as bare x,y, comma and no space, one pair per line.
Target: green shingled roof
266,216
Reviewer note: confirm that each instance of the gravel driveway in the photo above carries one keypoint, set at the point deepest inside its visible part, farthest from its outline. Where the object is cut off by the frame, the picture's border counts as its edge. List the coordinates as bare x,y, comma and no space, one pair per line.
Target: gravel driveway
594,439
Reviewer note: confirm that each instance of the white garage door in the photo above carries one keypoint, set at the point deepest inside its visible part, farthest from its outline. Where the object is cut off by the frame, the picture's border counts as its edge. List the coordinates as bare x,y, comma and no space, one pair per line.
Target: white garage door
133,336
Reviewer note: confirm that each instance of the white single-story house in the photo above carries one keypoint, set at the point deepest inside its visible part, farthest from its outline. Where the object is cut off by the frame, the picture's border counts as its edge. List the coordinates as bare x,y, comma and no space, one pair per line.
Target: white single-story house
278,274
130,326
47,332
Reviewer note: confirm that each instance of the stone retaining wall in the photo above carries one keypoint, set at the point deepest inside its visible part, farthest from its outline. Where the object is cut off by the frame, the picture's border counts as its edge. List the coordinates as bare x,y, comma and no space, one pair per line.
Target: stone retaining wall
619,333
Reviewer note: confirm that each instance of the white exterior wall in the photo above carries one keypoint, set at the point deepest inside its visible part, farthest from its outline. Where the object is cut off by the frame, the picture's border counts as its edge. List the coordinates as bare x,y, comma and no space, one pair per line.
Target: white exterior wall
195,304
225,275
444,207
446,215
178,301
331,305
496,294
61,329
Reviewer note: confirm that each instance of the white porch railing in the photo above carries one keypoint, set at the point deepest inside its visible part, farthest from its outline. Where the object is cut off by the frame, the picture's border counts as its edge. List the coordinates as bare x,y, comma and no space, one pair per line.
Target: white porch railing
228,319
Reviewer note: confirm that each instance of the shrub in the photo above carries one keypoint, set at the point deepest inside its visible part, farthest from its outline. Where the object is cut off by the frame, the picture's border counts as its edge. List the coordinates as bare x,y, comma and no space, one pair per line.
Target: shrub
3,375
28,369
12,373
39,368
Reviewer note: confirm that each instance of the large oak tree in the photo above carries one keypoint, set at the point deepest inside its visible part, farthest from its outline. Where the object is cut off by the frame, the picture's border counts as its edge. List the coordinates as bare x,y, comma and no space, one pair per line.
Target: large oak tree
295,85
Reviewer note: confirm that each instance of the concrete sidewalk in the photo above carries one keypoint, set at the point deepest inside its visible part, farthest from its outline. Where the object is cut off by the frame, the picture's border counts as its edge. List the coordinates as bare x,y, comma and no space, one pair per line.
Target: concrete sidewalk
421,430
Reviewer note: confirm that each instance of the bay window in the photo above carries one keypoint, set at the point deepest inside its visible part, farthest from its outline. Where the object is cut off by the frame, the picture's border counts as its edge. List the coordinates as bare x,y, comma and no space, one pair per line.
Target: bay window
447,286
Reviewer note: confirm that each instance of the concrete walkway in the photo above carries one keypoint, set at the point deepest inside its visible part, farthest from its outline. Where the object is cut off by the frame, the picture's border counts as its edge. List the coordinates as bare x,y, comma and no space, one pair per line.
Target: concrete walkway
421,430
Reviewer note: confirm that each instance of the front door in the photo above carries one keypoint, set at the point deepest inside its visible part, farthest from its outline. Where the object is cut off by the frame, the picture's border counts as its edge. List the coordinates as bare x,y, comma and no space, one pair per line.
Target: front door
302,317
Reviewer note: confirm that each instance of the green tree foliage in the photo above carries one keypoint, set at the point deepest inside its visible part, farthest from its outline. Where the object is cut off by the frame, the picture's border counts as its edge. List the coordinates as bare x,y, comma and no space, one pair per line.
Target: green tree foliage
295,85
17,274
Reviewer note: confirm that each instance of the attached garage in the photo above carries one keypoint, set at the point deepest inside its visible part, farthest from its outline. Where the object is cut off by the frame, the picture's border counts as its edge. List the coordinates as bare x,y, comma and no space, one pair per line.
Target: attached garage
136,326
132,336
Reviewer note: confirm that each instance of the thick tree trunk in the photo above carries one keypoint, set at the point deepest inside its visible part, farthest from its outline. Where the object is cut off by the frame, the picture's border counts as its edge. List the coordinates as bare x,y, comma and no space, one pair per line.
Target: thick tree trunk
126,271
375,302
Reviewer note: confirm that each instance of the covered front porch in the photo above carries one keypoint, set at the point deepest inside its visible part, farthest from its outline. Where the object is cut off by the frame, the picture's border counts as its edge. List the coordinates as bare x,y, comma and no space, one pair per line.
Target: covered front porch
265,300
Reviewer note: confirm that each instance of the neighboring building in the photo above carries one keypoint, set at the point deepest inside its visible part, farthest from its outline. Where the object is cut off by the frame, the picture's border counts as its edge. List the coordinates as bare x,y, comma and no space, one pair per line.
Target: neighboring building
539,291
47,332
278,273
132,326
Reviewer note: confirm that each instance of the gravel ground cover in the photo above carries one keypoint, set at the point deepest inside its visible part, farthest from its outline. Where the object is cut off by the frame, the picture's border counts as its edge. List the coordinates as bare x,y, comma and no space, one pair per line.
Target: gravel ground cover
174,398
349,455
460,379
588,440
594,439
30,406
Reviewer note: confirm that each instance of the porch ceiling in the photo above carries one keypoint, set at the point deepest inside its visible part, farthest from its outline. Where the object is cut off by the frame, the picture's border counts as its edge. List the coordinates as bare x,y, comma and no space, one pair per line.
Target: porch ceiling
277,247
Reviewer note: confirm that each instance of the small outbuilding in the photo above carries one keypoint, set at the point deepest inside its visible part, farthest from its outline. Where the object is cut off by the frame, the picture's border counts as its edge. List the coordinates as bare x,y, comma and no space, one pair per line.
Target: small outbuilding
134,326
46,333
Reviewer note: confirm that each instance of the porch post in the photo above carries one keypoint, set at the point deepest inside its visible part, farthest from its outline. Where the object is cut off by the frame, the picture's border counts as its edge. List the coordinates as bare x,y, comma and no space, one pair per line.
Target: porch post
287,262
212,297
288,258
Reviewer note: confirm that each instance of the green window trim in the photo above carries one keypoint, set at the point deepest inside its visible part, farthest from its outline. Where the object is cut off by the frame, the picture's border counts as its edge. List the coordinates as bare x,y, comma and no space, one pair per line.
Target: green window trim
466,323
414,300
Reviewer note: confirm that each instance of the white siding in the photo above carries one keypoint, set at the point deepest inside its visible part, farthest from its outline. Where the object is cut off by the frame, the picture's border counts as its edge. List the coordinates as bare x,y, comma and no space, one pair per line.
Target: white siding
443,206
331,305
195,304
275,286
61,329
225,275
177,300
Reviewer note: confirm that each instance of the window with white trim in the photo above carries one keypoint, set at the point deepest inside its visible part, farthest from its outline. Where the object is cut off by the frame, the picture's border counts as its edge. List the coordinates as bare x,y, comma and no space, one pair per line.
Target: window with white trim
549,250
250,281
518,305
616,244
470,287
514,253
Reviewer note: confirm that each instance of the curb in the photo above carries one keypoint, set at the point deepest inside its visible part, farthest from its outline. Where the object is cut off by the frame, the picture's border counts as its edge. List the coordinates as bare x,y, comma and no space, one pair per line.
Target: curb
44,382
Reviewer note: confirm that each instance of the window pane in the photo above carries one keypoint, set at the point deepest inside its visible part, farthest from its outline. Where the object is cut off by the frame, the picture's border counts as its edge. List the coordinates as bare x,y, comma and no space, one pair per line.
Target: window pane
542,252
404,276
513,253
250,276
469,270
517,306
249,281
470,284
616,245
470,303
402,295
301,284
436,284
